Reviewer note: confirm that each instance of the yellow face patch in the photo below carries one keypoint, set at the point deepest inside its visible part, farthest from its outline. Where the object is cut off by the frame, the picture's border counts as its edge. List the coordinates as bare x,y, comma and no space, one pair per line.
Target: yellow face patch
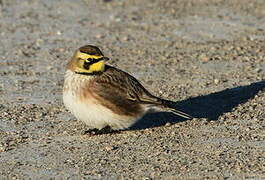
86,63
97,67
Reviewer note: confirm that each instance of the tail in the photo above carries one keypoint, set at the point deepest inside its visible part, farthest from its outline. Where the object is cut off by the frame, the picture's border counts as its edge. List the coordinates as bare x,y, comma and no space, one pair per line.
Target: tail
170,105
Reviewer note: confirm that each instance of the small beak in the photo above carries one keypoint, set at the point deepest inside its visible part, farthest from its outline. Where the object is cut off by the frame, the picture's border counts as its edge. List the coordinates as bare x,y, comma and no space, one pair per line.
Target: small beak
106,58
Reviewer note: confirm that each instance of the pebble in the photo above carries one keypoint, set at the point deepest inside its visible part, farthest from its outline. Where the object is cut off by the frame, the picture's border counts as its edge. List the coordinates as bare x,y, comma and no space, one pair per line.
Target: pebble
216,81
168,124
109,148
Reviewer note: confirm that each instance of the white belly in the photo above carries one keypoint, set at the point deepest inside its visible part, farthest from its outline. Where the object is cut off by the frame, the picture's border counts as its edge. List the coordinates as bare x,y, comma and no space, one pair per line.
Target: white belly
90,111
94,114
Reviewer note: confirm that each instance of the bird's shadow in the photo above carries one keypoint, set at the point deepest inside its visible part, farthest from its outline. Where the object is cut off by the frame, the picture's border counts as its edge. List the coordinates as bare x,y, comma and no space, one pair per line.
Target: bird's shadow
209,106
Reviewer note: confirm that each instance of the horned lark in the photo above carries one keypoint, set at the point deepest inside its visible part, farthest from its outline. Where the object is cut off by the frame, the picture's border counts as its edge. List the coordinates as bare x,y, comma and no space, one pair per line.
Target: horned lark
103,96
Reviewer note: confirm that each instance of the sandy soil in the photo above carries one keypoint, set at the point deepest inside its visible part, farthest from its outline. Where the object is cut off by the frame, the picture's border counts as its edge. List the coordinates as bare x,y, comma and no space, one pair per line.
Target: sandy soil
207,55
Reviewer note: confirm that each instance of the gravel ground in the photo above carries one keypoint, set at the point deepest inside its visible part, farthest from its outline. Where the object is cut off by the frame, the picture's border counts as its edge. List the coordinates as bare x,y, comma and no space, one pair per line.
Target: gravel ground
207,55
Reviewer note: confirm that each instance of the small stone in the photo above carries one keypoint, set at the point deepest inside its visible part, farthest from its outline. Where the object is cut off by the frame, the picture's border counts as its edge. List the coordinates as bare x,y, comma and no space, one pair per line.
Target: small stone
99,36
168,124
216,81
2,148
258,70
61,49
248,129
204,58
126,38
109,148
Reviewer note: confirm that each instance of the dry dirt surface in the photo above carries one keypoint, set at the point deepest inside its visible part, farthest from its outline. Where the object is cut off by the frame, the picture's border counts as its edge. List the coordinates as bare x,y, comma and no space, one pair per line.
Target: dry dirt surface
206,55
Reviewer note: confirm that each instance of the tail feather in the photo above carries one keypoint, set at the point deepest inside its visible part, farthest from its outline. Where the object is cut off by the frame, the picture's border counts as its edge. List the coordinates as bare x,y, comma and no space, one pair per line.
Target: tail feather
164,104
169,105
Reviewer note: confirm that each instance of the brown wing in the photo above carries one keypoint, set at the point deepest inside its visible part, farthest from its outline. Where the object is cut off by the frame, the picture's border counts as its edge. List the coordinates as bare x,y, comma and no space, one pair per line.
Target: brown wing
121,92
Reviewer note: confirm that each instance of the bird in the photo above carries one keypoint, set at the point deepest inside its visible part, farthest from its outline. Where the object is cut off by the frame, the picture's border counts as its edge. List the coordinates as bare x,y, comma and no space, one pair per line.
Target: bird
105,97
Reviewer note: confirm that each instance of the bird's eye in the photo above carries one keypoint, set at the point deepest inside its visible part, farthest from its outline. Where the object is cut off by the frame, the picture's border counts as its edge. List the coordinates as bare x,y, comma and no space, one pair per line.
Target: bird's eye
91,60
88,62
86,65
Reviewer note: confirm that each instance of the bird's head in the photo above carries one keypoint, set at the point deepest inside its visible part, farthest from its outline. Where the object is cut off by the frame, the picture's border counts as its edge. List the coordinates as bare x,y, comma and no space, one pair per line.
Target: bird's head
88,60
